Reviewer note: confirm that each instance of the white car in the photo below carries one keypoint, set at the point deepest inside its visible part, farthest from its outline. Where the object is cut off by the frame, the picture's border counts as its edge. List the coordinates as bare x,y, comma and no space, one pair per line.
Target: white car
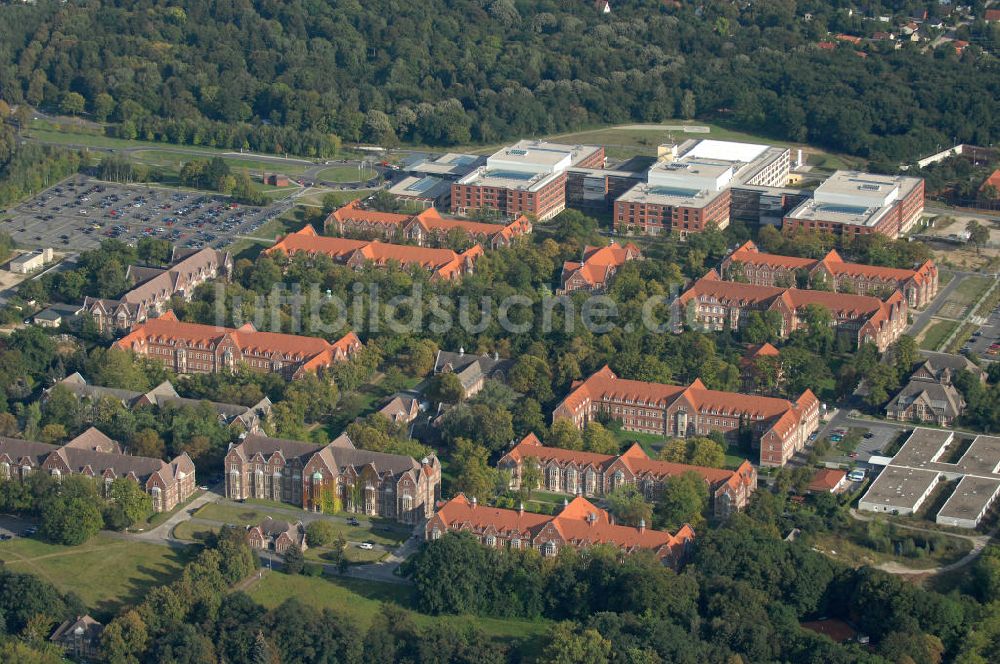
367,546
856,475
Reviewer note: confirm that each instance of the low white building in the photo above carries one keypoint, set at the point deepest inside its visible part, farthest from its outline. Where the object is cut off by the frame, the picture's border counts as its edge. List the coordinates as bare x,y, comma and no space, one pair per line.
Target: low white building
31,261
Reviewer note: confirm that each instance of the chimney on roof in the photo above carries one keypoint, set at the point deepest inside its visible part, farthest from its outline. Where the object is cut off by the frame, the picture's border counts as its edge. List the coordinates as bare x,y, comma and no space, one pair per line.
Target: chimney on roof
520,509
474,502
642,525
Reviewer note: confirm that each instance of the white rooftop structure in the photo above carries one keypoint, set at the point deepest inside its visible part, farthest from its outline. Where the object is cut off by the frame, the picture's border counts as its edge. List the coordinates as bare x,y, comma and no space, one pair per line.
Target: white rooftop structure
691,173
452,164
527,165
422,188
931,456
860,190
537,157
727,151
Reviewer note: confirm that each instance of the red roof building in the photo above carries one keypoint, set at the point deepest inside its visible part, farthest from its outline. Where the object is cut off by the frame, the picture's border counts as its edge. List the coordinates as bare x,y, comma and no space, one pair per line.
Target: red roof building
427,227
992,181
196,348
589,474
750,368
748,264
992,16
779,427
441,263
580,524
827,480
596,267
713,304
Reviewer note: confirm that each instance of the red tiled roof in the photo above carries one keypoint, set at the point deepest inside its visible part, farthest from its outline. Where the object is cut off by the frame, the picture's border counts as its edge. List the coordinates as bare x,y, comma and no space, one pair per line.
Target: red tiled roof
992,15
994,178
604,385
430,219
826,480
580,523
167,327
836,629
848,38
599,262
749,254
443,262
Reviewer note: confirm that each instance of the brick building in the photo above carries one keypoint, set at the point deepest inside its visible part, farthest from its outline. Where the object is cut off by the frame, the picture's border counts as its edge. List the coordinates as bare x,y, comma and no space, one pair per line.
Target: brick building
195,348
713,304
95,455
580,524
597,189
441,263
930,395
590,474
472,370
778,427
277,536
690,186
750,265
596,267
526,178
855,203
318,478
427,227
153,288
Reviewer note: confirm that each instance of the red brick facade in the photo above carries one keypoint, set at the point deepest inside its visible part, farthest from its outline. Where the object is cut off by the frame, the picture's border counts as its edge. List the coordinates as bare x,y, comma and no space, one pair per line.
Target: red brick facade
748,264
195,348
713,304
649,218
590,474
781,427
579,525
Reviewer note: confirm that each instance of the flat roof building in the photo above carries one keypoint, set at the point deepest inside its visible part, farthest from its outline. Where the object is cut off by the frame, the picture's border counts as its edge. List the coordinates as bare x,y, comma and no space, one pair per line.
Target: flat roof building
526,178
925,460
691,186
427,191
861,204
450,166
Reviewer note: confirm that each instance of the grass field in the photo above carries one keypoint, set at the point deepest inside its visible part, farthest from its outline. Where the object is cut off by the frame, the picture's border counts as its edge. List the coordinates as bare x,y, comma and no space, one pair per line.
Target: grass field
361,601
345,174
375,530
190,531
971,289
106,572
176,158
651,443
936,333
353,554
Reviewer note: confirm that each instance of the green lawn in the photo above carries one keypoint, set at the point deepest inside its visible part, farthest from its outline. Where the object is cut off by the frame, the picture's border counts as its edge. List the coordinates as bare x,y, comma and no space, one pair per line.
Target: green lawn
650,442
105,572
160,517
353,554
191,531
361,600
345,174
936,333
375,530
176,158
970,290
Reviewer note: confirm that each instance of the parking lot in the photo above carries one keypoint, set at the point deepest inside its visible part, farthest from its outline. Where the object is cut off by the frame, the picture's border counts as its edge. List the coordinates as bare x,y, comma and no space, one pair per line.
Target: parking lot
79,213
874,439
985,341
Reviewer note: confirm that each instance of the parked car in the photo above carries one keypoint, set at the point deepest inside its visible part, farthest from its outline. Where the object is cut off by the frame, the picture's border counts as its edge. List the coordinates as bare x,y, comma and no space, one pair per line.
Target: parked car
353,522
367,546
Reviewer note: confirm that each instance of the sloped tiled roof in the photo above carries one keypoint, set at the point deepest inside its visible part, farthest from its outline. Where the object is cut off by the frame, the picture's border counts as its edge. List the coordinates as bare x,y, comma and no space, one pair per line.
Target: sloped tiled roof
298,348
599,262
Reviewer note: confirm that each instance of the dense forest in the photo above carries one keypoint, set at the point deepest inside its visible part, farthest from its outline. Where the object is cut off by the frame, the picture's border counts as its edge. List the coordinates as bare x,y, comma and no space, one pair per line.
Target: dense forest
301,75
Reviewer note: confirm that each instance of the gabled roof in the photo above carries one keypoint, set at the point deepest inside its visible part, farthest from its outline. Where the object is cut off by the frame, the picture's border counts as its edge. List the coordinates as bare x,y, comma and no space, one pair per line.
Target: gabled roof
94,440
443,262
749,254
598,263
83,627
580,523
290,346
